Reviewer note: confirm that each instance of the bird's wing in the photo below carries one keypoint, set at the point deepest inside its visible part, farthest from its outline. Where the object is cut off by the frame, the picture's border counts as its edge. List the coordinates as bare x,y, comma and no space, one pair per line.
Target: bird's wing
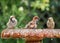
27,25
53,24
15,23
48,24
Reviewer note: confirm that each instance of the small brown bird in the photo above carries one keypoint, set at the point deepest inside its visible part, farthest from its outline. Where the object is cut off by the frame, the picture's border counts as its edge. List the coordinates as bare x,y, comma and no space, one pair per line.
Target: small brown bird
50,23
32,24
12,22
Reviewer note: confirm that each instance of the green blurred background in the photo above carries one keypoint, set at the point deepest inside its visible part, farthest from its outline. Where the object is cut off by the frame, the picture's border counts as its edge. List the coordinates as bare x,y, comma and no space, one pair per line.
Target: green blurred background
25,10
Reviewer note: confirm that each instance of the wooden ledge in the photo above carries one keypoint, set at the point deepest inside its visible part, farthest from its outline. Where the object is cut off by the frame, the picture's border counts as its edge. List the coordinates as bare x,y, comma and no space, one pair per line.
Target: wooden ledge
30,34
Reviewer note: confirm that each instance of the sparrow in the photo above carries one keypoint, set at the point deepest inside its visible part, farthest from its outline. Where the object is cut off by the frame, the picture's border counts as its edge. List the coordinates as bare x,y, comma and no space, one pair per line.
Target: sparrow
32,24
50,23
12,22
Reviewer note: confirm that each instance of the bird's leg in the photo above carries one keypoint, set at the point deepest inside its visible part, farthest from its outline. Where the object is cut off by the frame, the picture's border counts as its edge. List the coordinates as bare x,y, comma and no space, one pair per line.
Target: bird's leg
33,42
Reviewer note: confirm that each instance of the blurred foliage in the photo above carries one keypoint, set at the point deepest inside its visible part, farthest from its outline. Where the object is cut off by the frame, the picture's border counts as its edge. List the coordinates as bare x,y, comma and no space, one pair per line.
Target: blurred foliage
24,10
43,4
